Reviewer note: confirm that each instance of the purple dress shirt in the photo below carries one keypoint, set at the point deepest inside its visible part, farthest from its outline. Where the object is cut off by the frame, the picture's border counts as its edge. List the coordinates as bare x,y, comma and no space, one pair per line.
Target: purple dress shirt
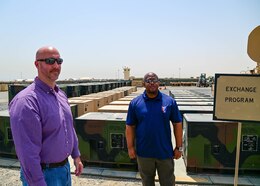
42,128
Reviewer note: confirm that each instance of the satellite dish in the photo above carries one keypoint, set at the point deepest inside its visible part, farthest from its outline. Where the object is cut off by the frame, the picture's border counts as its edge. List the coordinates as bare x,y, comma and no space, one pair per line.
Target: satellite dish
253,46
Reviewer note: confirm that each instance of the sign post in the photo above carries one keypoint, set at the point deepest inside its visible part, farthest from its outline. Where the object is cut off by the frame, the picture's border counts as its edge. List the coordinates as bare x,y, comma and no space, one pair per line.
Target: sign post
238,152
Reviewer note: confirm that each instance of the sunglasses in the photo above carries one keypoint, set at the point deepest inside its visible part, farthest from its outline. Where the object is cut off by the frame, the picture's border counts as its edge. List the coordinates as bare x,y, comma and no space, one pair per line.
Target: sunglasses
151,81
51,61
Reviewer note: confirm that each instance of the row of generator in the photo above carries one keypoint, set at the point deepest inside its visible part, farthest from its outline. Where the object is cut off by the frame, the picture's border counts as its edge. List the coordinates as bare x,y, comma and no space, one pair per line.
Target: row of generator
100,127
209,145
74,90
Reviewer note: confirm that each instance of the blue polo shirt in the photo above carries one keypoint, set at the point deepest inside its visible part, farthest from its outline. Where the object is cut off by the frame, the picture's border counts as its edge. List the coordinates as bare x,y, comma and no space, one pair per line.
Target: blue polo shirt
152,120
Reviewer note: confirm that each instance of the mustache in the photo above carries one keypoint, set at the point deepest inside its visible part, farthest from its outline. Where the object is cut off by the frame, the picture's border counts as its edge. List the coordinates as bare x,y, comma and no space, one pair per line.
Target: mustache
55,70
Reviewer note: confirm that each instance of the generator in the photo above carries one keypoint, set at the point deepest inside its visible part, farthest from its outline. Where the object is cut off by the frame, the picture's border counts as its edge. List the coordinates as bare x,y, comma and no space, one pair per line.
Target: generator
74,110
210,145
85,89
7,148
72,90
14,89
102,139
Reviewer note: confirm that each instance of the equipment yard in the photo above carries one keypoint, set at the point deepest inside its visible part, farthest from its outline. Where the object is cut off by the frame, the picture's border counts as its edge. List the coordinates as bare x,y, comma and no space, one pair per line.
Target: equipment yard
209,146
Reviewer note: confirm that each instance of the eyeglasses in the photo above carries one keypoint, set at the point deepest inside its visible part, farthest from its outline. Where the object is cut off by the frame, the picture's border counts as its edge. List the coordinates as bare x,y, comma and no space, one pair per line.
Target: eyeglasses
51,61
151,81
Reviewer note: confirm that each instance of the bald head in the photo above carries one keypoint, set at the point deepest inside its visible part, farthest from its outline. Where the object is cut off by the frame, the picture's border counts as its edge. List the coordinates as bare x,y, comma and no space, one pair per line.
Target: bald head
47,52
150,74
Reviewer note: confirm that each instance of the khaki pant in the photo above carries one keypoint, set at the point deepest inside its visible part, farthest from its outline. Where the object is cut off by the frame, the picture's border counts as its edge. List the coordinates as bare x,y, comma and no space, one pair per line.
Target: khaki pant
165,169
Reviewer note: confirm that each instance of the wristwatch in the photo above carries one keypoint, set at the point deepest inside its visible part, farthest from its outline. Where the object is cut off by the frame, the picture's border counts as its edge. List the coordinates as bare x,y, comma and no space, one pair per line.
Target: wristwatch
180,149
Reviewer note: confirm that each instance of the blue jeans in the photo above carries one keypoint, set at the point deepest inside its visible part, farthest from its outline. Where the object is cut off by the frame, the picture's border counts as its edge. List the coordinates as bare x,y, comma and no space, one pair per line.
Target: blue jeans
59,176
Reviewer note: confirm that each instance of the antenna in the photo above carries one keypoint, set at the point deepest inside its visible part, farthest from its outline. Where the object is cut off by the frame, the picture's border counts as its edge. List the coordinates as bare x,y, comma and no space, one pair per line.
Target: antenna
253,47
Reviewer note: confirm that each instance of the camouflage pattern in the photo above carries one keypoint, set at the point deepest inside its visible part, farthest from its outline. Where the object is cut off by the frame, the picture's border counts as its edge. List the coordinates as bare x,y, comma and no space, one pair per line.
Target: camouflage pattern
102,138
211,144
7,148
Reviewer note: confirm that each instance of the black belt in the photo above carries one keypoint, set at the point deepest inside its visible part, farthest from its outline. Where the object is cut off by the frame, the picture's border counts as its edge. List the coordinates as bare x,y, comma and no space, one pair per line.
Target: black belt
54,165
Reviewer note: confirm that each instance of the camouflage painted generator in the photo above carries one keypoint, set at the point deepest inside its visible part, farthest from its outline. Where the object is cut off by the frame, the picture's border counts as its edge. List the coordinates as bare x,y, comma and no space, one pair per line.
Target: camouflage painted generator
7,148
211,144
102,139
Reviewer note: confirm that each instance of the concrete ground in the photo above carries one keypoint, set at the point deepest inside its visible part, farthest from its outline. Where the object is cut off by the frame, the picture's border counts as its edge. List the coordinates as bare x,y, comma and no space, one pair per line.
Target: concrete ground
9,175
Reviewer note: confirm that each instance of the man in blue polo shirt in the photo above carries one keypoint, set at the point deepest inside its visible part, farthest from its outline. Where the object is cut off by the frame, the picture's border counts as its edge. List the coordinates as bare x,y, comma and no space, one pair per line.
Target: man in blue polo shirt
148,133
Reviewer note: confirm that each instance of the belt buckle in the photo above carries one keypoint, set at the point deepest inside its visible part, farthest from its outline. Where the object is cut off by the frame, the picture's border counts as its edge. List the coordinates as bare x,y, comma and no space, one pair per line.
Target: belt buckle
54,165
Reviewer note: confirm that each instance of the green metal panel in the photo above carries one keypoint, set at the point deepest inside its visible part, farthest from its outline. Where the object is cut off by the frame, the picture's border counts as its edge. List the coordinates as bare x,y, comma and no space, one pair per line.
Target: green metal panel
85,89
74,110
117,145
73,90
7,148
250,146
15,89
63,88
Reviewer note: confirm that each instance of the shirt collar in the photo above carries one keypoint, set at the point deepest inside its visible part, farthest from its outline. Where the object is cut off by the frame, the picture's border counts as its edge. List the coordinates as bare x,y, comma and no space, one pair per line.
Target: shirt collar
46,88
158,97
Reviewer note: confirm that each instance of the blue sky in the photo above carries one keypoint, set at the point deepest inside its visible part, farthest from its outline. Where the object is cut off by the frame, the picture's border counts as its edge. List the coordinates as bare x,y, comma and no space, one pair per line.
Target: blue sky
98,38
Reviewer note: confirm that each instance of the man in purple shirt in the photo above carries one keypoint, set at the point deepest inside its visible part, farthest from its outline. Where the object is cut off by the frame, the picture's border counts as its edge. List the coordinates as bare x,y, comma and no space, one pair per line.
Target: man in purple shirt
42,126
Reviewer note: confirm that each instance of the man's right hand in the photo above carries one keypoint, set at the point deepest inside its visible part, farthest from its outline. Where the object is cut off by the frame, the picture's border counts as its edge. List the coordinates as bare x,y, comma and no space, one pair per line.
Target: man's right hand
132,153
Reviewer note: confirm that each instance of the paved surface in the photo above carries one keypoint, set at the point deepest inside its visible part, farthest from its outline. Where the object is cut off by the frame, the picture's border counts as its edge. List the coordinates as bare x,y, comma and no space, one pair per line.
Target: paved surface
9,176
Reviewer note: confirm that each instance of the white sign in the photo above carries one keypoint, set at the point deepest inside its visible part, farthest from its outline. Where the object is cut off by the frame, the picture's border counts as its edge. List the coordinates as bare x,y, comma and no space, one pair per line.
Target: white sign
237,97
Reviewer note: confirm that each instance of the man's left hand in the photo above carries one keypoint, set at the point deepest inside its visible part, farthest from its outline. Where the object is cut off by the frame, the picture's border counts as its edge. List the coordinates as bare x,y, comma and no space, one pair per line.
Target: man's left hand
177,154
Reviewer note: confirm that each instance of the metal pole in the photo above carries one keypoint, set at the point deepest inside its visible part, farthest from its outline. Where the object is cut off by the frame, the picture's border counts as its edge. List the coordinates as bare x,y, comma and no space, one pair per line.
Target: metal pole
239,126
